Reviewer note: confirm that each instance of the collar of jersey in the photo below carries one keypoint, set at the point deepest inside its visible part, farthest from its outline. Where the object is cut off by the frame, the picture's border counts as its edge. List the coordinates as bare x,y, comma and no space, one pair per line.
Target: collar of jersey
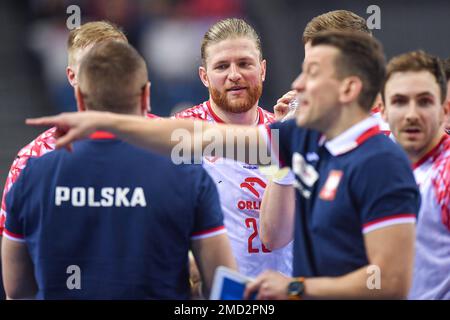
430,154
352,137
102,135
218,120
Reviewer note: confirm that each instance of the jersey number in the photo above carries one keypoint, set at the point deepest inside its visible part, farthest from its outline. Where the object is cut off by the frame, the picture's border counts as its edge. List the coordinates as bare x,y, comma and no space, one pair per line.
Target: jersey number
251,223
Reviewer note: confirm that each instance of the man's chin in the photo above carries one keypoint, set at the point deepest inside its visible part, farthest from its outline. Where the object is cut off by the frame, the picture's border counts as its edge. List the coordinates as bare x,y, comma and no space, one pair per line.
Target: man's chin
411,147
236,107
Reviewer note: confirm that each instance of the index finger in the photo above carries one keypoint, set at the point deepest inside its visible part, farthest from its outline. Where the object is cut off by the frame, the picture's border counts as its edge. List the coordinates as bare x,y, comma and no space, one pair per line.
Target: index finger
42,121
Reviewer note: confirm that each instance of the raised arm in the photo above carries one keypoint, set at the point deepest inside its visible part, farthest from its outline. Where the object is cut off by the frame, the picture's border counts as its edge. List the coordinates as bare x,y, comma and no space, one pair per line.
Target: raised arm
164,136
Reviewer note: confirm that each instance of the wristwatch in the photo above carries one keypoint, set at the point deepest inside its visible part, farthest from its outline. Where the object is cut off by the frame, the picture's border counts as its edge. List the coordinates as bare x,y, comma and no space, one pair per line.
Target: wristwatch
296,288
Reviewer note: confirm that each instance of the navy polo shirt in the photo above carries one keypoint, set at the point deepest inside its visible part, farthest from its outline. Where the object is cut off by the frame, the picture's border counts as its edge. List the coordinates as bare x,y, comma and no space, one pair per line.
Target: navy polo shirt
123,216
356,183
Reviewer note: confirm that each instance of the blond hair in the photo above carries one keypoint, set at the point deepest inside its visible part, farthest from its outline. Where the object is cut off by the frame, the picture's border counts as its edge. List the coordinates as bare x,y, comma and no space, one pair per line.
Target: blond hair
339,20
92,33
226,29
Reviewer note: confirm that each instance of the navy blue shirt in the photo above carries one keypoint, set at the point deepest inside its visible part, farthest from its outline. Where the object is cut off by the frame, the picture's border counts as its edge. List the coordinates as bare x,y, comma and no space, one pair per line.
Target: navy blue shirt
124,216
349,186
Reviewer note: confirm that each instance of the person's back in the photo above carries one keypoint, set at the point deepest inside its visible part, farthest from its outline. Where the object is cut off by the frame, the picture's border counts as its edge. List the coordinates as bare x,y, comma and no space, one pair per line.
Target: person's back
109,220
126,220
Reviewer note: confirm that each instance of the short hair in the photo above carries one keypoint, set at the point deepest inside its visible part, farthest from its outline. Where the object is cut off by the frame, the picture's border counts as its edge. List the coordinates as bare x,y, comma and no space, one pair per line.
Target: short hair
359,55
447,68
92,33
339,20
226,29
112,76
417,61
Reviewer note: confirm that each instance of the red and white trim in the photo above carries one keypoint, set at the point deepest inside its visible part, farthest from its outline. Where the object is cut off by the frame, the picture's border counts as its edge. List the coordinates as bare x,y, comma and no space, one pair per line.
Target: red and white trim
208,233
13,236
352,137
388,221
430,154
102,135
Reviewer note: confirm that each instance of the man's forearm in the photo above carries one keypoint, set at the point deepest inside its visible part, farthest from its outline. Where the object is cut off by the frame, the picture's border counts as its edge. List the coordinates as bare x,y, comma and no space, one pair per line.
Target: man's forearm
196,138
166,136
359,284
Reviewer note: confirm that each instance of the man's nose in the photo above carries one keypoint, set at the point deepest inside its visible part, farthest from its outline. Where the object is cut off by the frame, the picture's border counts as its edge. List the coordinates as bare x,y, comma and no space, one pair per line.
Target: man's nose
299,83
412,112
235,73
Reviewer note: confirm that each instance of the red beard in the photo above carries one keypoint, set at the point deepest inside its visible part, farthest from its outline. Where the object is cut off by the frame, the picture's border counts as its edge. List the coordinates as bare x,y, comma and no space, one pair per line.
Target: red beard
221,100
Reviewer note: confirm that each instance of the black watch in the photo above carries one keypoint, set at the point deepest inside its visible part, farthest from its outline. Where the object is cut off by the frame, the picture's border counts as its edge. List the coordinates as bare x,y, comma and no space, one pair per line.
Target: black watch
296,288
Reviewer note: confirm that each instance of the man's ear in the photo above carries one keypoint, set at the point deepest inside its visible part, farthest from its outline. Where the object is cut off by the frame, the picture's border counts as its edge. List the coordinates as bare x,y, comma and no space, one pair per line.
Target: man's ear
80,99
71,76
145,99
383,111
446,109
203,76
263,70
350,89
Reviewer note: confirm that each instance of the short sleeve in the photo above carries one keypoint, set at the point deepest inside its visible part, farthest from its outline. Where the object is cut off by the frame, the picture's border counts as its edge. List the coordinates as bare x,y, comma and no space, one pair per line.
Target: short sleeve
208,213
386,192
15,202
278,137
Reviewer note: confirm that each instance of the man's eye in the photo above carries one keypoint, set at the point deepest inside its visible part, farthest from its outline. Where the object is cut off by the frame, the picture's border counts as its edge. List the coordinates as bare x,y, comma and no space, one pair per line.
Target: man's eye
311,71
425,102
398,101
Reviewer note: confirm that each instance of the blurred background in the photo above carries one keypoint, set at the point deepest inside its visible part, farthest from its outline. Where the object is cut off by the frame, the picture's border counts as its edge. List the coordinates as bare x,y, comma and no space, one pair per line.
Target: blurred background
168,34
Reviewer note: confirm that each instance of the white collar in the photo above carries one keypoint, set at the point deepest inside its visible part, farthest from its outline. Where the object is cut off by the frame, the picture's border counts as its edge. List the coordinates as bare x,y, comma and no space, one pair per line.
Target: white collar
352,137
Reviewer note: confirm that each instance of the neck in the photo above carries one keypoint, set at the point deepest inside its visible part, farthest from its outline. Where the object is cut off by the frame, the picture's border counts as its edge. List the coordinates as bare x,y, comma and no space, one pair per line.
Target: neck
414,157
244,118
347,118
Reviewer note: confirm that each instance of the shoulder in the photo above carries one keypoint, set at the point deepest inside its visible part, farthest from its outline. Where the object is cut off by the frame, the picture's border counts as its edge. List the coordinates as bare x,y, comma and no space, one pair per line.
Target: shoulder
268,117
44,143
40,146
382,149
379,161
195,112
440,179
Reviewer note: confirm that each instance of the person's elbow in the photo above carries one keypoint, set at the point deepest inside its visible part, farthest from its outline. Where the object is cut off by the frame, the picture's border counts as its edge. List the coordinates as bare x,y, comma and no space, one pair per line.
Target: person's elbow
395,284
274,239
398,287
17,292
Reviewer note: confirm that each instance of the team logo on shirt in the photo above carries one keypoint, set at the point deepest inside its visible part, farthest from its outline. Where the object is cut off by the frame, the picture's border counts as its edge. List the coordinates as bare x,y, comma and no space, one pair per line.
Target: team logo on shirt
306,172
250,182
328,192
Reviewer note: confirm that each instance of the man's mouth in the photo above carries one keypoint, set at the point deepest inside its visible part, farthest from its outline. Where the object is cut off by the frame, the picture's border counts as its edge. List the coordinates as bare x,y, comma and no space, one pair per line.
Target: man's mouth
412,130
237,89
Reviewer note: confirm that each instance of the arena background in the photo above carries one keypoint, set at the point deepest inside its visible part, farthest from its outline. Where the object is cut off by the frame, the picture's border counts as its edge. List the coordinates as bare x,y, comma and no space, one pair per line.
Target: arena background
168,33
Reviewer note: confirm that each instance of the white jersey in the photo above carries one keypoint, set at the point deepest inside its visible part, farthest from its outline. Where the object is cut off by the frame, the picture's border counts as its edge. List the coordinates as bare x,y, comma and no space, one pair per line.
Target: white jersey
384,126
241,188
431,278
